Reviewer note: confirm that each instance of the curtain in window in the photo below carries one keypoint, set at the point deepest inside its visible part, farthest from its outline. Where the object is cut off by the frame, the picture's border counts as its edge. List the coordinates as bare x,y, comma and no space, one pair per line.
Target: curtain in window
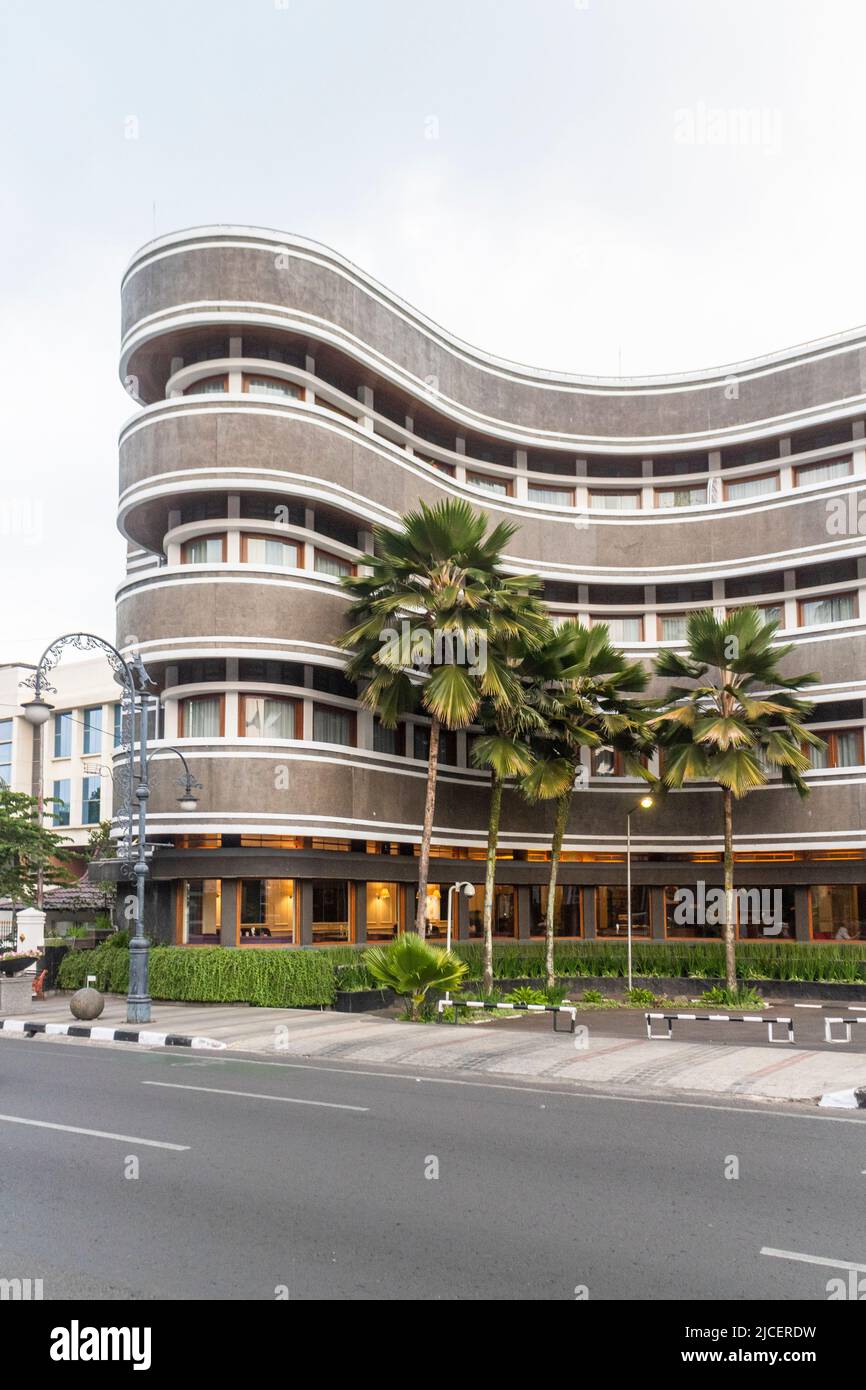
264,718
201,718
330,726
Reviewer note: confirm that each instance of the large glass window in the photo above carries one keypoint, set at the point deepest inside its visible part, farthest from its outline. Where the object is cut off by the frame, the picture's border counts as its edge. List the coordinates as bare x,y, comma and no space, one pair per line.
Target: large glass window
93,730
681,496
672,626
333,565
271,386
201,716
621,629
333,725
270,550
265,716
611,910
837,608
383,911
6,751
504,911
330,910
488,484
204,550
384,739
766,914
208,386
822,472
752,487
615,501
117,716
689,913
553,496
267,909
61,794
844,748
201,904
838,911
90,801
421,744
63,734
567,919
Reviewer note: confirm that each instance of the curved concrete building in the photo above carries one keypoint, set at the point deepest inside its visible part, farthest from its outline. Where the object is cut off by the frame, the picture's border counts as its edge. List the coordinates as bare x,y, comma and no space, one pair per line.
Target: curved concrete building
287,402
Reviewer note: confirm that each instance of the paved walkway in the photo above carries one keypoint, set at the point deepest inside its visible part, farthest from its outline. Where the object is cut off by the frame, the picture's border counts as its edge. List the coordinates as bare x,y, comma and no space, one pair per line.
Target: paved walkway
509,1048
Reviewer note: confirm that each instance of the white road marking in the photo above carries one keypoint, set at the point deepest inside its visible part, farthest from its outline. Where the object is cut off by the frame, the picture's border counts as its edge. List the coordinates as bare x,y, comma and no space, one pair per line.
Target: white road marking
811,1259
252,1095
94,1133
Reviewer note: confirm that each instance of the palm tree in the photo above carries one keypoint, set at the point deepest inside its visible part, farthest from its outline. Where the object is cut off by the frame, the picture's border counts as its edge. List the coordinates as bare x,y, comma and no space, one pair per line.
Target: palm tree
587,685
737,720
411,967
430,619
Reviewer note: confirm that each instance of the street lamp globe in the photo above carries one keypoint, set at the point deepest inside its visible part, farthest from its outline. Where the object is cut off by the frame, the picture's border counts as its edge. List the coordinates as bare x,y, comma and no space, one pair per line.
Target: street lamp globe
37,712
188,801
646,802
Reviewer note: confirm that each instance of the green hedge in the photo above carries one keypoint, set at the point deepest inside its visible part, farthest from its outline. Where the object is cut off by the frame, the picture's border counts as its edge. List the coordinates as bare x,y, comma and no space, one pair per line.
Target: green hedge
212,974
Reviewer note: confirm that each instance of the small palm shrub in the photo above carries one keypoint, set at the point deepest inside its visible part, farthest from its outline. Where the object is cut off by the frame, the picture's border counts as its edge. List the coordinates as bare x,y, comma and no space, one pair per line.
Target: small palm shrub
525,994
643,997
411,967
745,997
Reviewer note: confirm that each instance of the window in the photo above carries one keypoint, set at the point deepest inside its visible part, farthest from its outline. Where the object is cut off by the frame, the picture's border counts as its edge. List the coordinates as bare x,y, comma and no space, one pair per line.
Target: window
687,914
607,762
844,749
553,496
383,911
270,672
63,734
93,730
615,501
488,484
90,801
621,629
752,487
267,910
265,716
330,910
421,744
208,386
117,715
504,910
838,608
566,910
822,472
672,626
61,794
333,565
268,550
204,550
611,911
681,496
384,740
201,716
201,909
271,386
6,751
333,725
837,911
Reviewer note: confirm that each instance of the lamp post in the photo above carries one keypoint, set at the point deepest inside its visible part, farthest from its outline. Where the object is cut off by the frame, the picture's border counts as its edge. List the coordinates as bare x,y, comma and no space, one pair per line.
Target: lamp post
467,889
643,805
134,679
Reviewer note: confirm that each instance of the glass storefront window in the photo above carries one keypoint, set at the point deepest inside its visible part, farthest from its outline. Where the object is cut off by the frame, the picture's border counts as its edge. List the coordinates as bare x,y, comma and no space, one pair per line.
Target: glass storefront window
567,919
383,911
267,909
838,911
330,910
504,911
763,913
201,911
611,910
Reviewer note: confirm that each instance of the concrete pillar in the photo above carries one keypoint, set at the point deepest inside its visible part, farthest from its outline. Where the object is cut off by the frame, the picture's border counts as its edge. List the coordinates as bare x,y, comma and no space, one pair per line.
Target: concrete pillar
588,905
657,912
801,914
521,480
360,890
524,911
462,917
230,908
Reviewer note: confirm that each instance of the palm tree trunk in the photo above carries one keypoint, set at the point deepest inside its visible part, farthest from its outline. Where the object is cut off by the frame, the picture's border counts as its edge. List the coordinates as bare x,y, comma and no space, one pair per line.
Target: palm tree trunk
562,808
490,878
427,831
730,914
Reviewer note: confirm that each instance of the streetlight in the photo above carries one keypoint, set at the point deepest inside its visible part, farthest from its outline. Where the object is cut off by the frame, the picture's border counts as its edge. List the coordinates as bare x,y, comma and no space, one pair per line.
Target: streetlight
134,678
643,805
467,889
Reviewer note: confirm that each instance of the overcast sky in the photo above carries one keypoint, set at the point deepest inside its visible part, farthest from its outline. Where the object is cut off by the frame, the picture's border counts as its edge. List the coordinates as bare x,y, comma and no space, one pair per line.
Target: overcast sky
594,185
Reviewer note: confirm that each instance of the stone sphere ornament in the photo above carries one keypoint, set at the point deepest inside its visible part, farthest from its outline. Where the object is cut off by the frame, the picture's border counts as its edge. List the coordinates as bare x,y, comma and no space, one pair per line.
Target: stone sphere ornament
86,1004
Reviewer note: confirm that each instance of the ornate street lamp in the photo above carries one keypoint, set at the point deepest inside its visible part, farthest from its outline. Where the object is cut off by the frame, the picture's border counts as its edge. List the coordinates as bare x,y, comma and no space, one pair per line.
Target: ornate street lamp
133,677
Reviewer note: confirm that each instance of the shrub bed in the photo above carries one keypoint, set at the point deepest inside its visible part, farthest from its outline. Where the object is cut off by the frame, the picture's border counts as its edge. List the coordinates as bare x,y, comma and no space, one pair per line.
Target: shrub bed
212,974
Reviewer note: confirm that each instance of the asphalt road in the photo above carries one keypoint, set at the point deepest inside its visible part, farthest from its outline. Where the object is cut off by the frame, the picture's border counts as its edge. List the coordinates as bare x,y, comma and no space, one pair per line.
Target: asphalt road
312,1178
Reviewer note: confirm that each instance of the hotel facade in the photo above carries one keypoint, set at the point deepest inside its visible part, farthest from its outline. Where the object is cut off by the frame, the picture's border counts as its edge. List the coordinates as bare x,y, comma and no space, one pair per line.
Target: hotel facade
286,404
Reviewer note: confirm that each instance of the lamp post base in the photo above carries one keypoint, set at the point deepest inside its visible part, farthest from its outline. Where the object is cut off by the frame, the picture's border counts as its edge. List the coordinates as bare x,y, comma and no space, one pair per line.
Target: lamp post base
138,1009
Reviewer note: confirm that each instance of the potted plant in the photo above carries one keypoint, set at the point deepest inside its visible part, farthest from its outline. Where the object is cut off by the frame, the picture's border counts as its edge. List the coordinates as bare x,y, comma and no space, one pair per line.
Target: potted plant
12,962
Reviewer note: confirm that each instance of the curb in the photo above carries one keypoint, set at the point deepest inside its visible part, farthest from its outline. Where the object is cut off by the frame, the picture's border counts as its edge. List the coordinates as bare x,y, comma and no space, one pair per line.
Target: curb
845,1100
133,1035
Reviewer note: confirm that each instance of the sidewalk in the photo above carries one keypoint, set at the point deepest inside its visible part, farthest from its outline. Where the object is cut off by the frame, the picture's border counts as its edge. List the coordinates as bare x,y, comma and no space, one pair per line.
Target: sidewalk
506,1049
